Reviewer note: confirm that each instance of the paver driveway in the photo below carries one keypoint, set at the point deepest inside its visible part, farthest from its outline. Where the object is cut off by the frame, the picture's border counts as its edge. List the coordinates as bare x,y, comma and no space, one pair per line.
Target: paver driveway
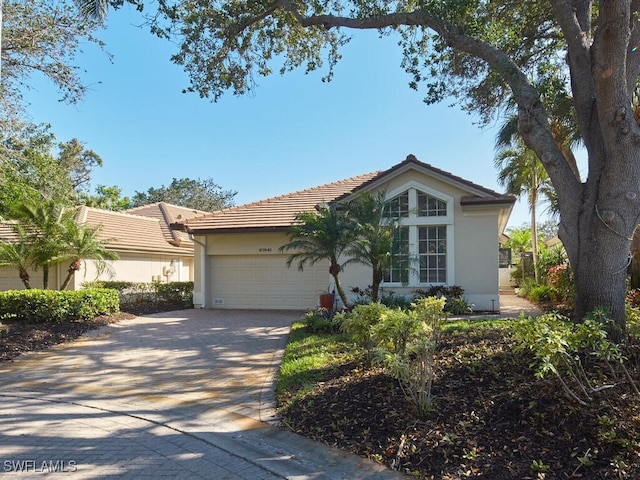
177,395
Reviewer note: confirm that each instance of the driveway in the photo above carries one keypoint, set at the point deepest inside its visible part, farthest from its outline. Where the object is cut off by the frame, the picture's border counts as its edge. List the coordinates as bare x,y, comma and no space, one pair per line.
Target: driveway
186,394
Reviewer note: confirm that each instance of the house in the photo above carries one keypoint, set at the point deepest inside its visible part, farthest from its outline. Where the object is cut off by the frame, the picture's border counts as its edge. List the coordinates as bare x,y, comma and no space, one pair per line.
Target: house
147,248
452,225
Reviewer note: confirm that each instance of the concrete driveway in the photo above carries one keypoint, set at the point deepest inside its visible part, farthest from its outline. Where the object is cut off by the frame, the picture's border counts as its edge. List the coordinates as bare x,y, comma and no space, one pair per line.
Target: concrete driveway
185,394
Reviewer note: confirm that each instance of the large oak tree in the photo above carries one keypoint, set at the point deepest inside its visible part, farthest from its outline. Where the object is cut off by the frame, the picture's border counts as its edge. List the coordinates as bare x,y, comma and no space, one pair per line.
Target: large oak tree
484,53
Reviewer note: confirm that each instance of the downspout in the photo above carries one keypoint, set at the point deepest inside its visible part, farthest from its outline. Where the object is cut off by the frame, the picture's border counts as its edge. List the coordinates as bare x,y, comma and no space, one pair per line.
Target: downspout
203,271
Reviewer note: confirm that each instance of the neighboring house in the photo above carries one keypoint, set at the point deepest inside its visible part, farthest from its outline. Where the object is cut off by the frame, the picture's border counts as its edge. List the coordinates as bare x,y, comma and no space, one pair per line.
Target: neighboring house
453,226
147,248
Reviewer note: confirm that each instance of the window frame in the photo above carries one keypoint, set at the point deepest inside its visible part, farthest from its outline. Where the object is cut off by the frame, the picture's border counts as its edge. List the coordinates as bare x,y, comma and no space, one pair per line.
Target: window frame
414,221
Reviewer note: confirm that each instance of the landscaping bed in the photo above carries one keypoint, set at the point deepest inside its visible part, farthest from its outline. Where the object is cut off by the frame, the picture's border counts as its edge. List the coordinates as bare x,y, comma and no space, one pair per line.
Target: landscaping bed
17,337
492,418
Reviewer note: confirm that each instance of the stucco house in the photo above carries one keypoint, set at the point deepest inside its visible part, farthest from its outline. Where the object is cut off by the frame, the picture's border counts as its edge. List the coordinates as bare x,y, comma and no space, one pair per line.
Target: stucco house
147,248
451,224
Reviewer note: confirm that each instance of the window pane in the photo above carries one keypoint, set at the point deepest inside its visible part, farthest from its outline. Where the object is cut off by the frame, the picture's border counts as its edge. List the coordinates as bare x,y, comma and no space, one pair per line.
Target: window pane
433,254
398,206
398,270
429,206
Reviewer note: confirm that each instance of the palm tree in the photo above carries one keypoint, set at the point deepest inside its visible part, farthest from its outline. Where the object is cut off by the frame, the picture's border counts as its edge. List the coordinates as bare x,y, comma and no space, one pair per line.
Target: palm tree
323,234
522,173
95,9
375,234
80,243
46,220
18,253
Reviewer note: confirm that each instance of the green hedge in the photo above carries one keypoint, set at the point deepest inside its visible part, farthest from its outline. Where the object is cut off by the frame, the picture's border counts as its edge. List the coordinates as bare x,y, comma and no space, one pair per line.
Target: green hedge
58,306
135,293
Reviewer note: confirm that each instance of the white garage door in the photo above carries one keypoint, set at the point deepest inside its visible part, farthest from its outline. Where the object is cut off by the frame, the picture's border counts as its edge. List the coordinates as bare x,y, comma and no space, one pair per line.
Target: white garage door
265,281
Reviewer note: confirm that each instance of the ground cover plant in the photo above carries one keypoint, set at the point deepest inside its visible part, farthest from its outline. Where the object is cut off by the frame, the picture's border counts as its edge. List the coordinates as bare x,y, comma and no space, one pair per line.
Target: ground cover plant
491,415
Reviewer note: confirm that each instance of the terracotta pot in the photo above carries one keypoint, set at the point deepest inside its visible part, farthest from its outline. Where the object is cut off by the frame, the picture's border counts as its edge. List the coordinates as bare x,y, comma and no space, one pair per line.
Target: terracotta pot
326,301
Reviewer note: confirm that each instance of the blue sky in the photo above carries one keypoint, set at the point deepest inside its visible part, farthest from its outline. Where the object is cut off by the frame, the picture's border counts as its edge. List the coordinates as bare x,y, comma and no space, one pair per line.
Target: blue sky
294,132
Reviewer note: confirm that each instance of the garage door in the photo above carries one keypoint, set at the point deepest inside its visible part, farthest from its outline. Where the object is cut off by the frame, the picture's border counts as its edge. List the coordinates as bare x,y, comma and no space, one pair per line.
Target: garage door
264,281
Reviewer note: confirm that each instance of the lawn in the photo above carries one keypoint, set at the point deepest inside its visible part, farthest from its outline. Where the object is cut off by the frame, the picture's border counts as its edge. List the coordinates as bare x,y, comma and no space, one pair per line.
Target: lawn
492,418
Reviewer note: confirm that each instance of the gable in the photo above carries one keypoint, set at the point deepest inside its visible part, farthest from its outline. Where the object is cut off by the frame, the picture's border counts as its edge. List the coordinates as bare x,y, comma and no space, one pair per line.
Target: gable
278,213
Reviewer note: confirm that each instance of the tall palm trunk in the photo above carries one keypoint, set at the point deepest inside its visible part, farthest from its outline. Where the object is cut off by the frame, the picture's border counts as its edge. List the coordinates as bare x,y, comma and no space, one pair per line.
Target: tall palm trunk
534,233
24,277
73,268
334,270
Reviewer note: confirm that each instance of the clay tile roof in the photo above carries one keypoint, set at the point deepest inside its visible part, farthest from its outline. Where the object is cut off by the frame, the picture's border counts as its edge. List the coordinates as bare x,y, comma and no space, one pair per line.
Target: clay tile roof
273,213
167,214
478,193
124,231
7,234
279,212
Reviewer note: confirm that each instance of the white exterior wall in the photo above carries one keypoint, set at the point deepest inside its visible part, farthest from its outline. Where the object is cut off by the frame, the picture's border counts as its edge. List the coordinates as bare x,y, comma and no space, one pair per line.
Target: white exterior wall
132,267
472,247
248,271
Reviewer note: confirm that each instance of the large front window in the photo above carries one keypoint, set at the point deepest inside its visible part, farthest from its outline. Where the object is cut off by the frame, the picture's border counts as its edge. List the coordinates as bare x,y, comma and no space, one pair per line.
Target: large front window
398,271
420,253
432,243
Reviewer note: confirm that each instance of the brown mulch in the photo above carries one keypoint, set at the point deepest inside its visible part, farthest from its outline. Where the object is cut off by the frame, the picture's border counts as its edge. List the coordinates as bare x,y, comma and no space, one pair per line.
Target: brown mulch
18,337
491,419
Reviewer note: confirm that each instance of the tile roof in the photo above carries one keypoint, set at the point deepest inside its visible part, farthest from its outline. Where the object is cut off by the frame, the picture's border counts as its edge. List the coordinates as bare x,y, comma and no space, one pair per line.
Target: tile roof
124,231
167,214
279,212
273,213
145,231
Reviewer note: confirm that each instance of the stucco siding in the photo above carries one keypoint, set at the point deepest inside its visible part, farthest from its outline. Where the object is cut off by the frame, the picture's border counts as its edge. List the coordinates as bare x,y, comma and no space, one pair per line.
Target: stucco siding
249,271
477,259
131,267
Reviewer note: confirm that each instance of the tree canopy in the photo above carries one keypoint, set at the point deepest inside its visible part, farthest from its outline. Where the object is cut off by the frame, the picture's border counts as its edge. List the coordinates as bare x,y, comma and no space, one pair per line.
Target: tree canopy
198,194
36,168
42,38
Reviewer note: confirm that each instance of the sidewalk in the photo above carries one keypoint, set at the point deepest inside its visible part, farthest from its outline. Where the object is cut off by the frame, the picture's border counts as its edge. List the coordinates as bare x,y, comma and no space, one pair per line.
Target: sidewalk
181,395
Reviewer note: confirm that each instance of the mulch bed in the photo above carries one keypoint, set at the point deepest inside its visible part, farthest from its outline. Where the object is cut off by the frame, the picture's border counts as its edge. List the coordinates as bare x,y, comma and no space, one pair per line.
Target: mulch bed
492,419
18,337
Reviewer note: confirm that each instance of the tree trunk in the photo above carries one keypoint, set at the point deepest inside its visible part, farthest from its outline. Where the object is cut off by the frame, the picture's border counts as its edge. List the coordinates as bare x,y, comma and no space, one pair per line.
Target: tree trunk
341,293
534,235
635,259
599,256
73,268
45,276
375,286
24,277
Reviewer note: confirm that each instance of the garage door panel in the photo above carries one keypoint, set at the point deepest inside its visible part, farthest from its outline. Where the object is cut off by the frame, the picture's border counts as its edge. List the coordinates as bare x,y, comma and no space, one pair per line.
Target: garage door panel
265,281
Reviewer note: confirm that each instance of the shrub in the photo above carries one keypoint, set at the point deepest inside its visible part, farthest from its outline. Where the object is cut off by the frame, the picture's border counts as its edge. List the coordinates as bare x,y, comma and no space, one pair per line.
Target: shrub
57,306
321,321
135,294
359,322
562,347
180,293
560,279
408,343
541,293
454,300
633,297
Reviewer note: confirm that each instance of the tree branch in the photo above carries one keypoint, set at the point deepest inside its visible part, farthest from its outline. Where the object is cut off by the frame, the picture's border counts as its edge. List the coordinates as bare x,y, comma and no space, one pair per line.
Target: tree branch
536,129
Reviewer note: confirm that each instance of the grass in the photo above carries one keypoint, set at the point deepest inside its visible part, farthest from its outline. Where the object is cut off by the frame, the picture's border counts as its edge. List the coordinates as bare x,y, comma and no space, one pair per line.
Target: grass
309,358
